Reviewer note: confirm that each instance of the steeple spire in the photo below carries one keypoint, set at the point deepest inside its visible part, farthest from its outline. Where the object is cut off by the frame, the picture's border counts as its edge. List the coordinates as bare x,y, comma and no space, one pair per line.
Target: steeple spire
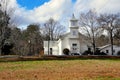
73,16
73,21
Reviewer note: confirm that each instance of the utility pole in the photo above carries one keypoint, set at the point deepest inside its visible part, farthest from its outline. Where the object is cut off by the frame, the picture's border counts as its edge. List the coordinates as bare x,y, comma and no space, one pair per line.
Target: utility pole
29,41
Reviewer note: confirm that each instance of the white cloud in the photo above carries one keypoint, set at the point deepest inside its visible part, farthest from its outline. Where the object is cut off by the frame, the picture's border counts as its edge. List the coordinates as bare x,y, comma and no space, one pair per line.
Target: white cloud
81,5
101,6
106,6
54,8
61,10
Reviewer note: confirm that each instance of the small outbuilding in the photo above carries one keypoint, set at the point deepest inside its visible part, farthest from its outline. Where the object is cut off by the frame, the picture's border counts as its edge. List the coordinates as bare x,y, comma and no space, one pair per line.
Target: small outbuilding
107,49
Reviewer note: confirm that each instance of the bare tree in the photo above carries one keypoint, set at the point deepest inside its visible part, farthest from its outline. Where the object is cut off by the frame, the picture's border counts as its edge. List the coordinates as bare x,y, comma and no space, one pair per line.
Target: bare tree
32,36
110,23
117,31
117,37
102,40
16,39
53,29
5,19
89,24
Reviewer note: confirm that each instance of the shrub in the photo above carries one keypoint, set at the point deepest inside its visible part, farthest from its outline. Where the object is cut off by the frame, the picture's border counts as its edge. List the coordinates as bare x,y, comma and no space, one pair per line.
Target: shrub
88,52
118,53
97,52
6,49
66,51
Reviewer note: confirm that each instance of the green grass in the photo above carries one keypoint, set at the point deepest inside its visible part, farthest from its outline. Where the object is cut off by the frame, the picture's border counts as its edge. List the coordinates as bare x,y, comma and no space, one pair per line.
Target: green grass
89,69
34,64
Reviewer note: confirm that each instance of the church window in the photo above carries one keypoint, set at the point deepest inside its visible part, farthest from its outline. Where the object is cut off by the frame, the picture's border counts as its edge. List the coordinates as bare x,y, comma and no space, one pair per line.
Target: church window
74,44
107,51
73,23
74,48
51,51
74,32
113,51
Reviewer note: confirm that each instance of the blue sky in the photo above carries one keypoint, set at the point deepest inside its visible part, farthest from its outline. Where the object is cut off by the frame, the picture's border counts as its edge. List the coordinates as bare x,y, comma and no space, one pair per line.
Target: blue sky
31,4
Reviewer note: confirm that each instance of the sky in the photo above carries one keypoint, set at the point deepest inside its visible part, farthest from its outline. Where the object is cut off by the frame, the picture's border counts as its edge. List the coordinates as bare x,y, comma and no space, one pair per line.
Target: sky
38,11
31,4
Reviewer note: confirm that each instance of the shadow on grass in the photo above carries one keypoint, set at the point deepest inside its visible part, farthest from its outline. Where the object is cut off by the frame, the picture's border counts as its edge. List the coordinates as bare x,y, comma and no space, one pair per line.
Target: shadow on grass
46,58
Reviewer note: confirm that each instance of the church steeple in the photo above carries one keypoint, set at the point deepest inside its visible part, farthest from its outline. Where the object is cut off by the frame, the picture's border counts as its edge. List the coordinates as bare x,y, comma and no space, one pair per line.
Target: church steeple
73,21
73,25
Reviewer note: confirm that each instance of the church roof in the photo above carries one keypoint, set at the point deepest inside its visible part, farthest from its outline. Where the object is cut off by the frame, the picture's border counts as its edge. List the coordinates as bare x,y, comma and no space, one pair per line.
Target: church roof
68,33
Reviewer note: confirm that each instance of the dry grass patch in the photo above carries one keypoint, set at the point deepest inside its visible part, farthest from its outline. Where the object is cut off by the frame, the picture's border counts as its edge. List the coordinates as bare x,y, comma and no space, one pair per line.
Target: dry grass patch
61,70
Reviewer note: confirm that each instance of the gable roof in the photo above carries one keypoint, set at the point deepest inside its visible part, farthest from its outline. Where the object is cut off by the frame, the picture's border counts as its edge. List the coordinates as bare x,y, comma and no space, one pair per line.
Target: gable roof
68,33
106,46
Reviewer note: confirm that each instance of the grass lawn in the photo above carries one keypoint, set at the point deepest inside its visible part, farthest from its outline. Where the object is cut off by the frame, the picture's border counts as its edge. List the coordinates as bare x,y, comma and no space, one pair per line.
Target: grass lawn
89,69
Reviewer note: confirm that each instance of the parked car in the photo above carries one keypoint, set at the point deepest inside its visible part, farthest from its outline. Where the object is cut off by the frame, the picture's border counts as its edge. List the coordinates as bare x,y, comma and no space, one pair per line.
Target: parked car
75,54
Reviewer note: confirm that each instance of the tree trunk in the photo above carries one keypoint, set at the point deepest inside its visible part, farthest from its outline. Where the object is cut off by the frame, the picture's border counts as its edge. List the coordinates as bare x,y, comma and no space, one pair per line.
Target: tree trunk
48,46
94,46
111,41
0,52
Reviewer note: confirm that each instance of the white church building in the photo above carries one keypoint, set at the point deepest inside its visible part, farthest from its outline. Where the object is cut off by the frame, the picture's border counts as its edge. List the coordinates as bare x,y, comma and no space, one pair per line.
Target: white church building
73,41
